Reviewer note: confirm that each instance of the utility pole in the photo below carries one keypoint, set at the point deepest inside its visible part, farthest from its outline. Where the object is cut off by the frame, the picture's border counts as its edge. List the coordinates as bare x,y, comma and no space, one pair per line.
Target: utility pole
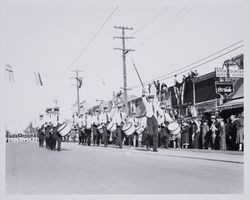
78,86
124,52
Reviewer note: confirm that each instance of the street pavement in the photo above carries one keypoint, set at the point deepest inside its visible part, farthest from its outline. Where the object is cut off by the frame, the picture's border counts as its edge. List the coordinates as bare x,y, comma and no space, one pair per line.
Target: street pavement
81,169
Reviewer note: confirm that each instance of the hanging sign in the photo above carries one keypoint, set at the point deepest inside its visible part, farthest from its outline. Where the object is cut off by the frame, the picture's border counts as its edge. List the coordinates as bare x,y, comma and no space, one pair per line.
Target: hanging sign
224,88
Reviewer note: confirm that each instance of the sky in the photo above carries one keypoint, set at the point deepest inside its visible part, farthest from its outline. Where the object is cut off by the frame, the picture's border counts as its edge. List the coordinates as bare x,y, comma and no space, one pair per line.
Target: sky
47,36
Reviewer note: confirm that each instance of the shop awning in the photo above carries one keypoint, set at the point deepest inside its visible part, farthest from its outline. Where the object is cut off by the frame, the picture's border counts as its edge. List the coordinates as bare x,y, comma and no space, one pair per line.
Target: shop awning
236,103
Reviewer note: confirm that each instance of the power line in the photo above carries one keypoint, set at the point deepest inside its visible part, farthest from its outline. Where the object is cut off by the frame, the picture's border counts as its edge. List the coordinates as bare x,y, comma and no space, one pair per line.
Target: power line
90,41
171,21
146,24
139,29
149,21
213,54
205,62
165,76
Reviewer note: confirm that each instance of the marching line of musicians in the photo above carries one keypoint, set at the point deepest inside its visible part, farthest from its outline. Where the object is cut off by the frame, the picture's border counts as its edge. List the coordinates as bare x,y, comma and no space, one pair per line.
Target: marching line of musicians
155,129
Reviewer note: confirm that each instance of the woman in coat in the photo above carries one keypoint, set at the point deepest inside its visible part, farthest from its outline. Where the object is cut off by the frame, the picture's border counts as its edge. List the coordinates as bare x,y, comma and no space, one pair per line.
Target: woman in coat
204,132
185,135
222,132
197,136
240,132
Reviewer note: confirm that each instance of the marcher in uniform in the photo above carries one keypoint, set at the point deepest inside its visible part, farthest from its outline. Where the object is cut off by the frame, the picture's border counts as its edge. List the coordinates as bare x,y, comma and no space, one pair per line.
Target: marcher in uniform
104,120
119,119
152,125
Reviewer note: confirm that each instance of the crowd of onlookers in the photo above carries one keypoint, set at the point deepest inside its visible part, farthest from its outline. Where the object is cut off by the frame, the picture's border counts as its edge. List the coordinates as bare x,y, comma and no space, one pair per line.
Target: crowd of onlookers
196,133
160,89
213,133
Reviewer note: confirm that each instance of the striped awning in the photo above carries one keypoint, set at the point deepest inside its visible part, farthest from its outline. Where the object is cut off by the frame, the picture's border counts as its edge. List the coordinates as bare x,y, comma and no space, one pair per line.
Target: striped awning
236,103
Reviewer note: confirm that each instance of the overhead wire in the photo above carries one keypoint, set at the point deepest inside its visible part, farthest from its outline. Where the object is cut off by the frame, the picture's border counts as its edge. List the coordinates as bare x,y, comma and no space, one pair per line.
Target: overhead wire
205,62
166,76
170,22
135,32
213,54
89,42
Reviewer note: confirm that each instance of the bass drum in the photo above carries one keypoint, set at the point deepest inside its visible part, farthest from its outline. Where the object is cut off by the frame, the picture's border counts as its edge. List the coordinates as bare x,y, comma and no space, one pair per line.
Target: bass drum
64,129
111,127
128,128
174,129
100,129
139,129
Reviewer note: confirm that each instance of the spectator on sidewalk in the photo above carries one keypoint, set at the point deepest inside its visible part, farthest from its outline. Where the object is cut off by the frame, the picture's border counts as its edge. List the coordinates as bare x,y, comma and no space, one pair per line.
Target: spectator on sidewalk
205,132
233,132
197,135
222,135
213,130
185,134
240,132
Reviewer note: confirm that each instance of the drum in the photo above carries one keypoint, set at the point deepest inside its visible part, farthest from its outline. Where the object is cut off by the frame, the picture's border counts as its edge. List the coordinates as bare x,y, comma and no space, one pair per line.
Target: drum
64,129
100,129
128,128
174,128
139,129
111,127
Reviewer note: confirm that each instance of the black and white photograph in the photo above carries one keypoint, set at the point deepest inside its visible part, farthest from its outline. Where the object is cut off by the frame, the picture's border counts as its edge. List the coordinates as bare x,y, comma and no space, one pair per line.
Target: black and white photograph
114,99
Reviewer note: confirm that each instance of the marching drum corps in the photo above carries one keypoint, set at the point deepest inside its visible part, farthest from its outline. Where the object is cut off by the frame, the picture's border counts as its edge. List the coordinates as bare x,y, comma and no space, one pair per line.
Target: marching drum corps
157,127
112,127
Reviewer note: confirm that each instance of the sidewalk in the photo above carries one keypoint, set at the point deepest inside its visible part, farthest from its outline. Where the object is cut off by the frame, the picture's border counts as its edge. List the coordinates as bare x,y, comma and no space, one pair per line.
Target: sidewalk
203,154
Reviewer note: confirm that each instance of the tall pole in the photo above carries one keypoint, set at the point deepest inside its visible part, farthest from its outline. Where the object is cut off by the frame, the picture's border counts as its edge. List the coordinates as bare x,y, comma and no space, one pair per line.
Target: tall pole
124,73
124,52
78,85
77,92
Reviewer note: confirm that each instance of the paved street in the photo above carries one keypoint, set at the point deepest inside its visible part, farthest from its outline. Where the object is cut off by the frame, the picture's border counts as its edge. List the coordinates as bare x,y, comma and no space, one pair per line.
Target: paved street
98,170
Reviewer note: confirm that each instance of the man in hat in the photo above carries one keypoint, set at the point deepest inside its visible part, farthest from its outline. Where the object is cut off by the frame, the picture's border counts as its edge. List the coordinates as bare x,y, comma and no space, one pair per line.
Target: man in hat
79,129
41,131
119,119
164,121
48,128
152,125
233,132
95,124
131,139
88,124
82,125
59,138
135,123
104,120
55,128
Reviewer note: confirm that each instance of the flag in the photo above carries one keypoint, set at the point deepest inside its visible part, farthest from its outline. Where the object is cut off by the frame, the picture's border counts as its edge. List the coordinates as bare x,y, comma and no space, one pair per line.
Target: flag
182,91
9,69
38,78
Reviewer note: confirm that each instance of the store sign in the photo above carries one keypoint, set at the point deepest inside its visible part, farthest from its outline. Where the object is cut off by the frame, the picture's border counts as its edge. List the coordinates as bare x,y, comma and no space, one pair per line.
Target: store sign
56,109
224,88
48,110
233,73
